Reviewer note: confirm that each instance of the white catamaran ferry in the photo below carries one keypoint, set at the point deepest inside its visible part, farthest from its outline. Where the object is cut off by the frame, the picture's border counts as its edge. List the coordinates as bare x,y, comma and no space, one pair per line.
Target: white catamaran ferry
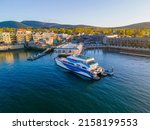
82,65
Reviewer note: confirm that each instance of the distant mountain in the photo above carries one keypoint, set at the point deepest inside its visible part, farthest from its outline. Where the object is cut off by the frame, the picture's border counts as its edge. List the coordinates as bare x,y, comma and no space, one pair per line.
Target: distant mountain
137,25
38,24
12,24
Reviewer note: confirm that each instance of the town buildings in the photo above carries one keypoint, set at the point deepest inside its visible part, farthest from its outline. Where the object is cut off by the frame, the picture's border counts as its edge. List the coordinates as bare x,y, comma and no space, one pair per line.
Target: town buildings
126,41
46,36
23,36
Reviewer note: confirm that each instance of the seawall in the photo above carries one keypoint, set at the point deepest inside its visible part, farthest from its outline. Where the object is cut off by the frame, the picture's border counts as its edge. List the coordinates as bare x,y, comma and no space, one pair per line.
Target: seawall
11,47
123,50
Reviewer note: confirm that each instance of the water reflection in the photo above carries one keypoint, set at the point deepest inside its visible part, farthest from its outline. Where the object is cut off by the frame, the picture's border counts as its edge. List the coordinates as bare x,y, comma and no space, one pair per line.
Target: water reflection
10,57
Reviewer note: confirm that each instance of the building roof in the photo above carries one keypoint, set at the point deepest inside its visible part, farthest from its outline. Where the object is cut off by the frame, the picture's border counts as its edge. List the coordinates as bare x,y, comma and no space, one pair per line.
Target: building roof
69,46
21,30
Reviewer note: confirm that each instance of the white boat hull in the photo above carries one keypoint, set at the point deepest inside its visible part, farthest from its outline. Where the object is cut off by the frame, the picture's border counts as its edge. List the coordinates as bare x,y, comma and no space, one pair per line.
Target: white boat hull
59,63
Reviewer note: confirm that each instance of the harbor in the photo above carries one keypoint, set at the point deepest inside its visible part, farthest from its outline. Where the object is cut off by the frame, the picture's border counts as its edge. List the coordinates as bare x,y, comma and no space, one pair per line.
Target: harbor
121,49
70,57
44,85
4,48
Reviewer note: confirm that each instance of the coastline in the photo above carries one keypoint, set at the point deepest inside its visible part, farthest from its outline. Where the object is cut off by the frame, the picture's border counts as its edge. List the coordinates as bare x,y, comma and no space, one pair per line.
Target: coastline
123,50
134,54
118,49
7,48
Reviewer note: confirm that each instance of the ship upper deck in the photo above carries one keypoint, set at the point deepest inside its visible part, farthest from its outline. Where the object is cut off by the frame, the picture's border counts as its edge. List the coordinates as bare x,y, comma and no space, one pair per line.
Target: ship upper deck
81,58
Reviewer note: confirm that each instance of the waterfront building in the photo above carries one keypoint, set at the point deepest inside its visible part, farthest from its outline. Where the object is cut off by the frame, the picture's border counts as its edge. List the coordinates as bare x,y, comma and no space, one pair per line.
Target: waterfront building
37,36
23,36
1,38
97,38
109,37
28,36
46,36
127,41
6,38
13,38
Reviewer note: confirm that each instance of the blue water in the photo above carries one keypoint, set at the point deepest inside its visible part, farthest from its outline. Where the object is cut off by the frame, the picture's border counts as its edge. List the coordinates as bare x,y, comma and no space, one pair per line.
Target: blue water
41,86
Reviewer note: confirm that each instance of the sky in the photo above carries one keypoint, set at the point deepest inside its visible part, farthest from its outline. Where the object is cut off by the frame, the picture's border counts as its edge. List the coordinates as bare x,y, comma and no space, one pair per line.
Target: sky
102,13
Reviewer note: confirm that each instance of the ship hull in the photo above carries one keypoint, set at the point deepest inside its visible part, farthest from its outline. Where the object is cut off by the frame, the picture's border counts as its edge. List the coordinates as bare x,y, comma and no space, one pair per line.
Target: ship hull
74,69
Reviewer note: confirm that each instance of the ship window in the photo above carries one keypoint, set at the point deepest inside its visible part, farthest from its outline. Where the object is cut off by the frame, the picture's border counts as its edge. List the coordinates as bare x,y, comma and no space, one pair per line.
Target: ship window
83,67
68,63
91,62
72,59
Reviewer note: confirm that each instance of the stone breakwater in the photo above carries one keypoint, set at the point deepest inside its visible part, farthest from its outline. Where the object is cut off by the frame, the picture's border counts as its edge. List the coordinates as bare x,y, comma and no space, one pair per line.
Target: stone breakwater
11,47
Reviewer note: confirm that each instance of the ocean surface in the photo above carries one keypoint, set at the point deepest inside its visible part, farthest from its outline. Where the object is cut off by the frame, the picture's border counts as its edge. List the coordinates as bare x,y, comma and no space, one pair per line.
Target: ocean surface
42,86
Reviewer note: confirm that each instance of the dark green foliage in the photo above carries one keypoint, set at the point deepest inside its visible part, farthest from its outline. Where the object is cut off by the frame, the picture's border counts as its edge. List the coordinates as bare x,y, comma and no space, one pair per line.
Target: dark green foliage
12,24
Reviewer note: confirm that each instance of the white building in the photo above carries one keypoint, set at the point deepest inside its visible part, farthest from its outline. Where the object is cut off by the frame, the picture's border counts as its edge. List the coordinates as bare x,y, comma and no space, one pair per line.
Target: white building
6,38
48,37
37,36
109,37
63,35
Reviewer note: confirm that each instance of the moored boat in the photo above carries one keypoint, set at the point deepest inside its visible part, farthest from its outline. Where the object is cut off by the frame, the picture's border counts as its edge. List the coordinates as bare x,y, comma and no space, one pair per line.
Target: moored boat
80,64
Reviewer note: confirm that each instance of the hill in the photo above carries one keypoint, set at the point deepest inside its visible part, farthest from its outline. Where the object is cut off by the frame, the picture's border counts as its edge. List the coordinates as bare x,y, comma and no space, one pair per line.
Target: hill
12,24
137,25
39,24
